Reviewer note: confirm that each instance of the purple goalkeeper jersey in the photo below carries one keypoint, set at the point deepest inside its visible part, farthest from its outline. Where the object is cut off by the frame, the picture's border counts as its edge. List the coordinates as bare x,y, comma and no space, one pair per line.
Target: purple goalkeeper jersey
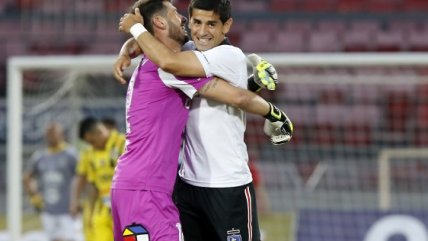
156,114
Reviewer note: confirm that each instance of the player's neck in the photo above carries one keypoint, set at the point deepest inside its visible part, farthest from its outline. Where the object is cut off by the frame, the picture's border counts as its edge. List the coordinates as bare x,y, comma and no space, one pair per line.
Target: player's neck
57,148
171,43
106,137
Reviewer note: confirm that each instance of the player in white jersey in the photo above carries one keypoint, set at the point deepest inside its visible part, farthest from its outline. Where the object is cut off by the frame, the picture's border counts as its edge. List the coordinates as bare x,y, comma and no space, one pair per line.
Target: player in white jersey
215,174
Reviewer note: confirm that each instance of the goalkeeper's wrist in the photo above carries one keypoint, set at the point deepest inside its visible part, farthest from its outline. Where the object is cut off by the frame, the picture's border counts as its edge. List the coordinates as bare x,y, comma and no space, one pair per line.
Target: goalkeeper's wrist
137,29
275,114
252,85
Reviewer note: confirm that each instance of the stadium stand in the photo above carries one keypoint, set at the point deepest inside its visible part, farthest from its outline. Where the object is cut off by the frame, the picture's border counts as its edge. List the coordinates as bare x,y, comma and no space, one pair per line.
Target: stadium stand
77,21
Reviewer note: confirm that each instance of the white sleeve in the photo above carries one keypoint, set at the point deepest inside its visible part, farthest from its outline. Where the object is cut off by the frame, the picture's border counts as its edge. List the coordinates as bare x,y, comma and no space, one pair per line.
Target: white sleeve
172,82
224,61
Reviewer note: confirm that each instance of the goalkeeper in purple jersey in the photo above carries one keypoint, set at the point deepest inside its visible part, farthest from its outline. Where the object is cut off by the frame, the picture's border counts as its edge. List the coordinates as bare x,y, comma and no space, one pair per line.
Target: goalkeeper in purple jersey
156,115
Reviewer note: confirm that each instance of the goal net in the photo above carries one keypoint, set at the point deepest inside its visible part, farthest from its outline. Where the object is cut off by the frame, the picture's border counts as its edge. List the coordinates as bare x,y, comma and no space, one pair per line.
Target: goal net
355,169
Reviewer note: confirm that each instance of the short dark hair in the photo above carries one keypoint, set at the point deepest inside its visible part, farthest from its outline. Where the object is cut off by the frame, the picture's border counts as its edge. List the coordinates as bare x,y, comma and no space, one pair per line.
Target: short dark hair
109,122
220,7
86,125
148,8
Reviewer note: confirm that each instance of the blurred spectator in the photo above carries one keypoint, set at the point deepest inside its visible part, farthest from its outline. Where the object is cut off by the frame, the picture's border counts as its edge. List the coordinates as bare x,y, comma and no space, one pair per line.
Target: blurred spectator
47,181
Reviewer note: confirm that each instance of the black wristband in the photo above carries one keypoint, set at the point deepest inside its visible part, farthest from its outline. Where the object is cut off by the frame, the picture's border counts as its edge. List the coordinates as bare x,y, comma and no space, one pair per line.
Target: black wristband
275,114
252,85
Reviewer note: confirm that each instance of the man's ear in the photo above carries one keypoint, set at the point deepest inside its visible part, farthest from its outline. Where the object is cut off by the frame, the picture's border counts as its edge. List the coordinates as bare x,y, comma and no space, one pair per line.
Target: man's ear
227,25
159,22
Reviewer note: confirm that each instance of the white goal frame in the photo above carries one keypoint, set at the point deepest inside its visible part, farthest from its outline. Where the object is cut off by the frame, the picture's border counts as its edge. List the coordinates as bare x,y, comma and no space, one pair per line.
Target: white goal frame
384,170
16,65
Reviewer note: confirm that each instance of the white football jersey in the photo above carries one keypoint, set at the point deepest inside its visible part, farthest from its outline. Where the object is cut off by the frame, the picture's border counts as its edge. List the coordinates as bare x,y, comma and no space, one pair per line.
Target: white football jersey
215,154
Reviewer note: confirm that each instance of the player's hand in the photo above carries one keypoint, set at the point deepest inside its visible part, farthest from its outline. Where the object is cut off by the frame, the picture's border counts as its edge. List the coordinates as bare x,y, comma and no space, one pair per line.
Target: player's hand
265,74
37,202
129,19
278,131
122,62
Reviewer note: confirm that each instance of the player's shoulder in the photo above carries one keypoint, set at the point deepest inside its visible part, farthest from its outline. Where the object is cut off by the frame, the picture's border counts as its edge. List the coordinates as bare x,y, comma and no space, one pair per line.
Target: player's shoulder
70,150
39,154
226,49
225,55
117,135
87,150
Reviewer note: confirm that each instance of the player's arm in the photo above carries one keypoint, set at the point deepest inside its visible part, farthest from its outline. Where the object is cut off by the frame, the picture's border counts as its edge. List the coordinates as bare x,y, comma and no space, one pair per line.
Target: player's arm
79,183
28,183
92,199
130,49
221,91
36,199
77,187
181,63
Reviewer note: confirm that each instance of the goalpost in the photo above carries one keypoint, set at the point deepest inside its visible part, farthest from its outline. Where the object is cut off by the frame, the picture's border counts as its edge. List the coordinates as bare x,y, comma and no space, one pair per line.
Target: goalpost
324,147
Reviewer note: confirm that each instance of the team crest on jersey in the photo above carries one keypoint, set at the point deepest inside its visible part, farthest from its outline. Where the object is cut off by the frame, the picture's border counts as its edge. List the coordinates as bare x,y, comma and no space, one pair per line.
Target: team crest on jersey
135,232
234,235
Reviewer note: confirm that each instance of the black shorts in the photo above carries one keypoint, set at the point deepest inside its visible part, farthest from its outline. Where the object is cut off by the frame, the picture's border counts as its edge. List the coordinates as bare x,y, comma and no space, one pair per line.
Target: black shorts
217,214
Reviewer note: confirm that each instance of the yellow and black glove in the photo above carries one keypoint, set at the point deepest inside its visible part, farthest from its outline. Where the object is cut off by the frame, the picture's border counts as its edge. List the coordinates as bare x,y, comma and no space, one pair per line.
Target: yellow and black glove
36,200
264,74
278,126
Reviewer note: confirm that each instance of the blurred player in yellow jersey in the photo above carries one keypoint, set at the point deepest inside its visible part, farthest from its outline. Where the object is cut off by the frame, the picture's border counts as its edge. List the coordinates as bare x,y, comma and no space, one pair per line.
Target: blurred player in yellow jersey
96,167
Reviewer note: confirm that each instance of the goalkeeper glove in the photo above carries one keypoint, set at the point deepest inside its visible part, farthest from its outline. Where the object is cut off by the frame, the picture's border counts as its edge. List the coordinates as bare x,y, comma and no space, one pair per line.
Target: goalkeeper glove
264,74
278,126
36,201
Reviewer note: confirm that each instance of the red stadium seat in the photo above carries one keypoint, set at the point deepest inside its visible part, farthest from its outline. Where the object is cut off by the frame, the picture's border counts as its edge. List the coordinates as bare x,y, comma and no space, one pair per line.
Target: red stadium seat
383,5
122,6
256,42
332,96
418,40
366,25
329,121
106,30
421,130
361,121
261,25
303,120
83,6
283,5
236,31
350,5
405,26
28,4
357,41
104,48
254,131
317,5
298,26
338,26
414,5
287,41
359,37
250,6
398,111
16,48
365,94
11,30
324,41
389,41
80,30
